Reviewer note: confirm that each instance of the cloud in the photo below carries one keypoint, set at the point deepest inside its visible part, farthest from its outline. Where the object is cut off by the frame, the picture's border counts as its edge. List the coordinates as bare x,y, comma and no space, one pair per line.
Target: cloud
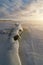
34,11
8,7
21,9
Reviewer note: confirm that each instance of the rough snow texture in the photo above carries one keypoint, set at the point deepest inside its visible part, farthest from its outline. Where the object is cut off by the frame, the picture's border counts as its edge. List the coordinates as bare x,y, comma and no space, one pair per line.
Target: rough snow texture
31,46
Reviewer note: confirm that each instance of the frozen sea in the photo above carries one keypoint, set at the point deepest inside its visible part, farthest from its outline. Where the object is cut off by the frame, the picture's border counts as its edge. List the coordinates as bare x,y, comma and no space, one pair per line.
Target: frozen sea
31,44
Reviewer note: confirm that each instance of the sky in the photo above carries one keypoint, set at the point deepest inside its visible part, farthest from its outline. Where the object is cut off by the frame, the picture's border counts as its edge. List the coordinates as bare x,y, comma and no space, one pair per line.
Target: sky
21,9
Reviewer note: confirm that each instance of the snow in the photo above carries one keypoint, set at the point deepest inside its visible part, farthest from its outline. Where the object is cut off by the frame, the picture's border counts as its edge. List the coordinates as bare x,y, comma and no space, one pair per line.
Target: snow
31,46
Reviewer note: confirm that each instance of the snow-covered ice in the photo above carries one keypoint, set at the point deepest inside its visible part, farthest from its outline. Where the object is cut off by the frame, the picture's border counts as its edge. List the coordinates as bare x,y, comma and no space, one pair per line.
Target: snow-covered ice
31,45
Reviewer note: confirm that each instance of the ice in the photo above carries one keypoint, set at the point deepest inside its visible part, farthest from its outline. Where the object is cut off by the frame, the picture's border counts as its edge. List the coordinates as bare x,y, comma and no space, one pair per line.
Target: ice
31,45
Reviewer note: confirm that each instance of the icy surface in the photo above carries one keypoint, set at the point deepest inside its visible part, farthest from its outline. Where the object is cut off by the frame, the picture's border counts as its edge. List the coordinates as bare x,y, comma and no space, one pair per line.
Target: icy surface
31,46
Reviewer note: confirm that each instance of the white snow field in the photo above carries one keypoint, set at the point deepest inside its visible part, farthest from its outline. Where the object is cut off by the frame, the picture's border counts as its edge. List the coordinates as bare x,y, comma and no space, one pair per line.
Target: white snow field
31,45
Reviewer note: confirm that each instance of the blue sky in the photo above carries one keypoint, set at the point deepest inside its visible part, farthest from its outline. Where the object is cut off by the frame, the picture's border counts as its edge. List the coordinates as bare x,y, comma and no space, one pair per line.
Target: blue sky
12,8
